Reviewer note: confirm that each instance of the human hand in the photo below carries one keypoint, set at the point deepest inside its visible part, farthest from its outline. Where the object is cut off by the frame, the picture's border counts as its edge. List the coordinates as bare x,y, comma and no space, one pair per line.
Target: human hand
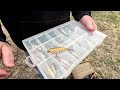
7,57
89,23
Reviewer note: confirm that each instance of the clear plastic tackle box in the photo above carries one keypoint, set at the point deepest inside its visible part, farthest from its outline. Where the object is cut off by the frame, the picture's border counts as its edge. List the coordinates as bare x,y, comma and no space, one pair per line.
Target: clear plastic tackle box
75,41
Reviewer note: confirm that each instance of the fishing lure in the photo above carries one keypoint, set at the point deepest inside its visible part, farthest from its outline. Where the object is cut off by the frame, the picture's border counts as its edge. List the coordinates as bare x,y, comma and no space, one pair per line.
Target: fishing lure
57,49
53,69
64,64
51,72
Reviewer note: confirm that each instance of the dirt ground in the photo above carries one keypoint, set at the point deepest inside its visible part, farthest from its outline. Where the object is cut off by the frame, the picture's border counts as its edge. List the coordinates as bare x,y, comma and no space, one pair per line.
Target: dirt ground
105,58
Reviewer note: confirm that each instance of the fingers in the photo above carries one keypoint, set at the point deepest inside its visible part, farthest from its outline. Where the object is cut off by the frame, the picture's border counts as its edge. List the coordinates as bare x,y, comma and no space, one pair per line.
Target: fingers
94,25
89,23
90,26
4,74
7,56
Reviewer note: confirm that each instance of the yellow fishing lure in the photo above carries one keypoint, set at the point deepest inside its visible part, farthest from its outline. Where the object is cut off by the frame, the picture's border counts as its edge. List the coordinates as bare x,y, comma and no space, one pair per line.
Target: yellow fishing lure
57,49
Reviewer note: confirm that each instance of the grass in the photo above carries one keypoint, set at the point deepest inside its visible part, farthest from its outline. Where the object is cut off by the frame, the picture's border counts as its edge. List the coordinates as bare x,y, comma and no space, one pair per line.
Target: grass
108,55
119,38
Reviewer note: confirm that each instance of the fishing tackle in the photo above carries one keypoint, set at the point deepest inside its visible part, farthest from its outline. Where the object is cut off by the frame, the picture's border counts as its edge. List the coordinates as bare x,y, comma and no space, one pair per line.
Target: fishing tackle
57,50
51,72
64,63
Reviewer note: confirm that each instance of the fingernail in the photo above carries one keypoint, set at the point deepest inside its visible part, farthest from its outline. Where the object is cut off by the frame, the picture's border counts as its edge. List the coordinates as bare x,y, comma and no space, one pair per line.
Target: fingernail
12,65
91,29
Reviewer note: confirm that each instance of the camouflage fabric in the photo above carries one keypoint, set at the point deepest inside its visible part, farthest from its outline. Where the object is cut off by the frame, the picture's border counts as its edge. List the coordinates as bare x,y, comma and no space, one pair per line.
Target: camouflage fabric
83,71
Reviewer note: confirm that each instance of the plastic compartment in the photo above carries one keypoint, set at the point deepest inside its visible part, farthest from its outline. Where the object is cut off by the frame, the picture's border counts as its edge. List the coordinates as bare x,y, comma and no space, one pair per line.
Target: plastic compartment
53,61
74,36
75,48
44,38
45,71
69,33
71,27
60,74
88,46
61,39
51,44
54,33
55,65
65,63
67,42
73,58
34,43
82,55
66,31
42,52
80,31
36,58
52,68
28,45
91,37
68,57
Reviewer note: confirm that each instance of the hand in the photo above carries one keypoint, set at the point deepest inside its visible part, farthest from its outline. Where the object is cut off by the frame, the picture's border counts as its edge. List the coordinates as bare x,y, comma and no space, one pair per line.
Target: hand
89,23
7,57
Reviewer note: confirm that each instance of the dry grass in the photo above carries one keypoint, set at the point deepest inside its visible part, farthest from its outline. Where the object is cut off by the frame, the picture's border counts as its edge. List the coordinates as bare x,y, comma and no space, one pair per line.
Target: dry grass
105,58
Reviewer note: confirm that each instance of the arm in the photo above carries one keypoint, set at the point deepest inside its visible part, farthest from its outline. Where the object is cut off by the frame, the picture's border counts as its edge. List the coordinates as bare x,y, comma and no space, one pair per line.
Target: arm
79,14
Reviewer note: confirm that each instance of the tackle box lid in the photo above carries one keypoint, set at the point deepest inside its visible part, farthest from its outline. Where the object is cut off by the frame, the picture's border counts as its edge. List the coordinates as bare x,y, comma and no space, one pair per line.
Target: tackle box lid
72,40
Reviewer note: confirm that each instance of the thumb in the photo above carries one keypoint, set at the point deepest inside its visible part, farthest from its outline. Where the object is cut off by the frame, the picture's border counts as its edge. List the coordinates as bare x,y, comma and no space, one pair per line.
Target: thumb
4,74
90,26
7,55
89,23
